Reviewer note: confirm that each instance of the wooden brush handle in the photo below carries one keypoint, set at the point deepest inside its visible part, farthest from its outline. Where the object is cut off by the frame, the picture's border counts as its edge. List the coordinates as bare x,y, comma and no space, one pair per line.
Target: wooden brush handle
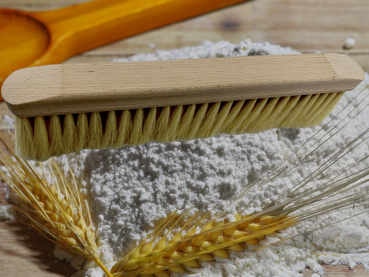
82,88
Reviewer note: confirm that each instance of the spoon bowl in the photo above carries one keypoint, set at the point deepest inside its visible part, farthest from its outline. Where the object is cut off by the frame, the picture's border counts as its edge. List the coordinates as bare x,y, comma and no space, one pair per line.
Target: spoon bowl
23,41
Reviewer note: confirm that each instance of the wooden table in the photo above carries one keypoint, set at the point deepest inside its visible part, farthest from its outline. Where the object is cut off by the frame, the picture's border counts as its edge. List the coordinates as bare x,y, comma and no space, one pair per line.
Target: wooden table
304,25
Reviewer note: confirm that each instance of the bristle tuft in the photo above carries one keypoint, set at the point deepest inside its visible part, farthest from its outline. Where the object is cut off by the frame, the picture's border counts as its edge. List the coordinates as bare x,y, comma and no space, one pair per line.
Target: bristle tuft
124,130
81,132
69,131
136,135
41,138
24,138
56,135
162,125
110,134
95,133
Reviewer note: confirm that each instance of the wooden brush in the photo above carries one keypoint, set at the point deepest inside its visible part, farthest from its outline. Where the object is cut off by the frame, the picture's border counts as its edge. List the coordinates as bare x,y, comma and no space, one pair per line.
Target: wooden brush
66,108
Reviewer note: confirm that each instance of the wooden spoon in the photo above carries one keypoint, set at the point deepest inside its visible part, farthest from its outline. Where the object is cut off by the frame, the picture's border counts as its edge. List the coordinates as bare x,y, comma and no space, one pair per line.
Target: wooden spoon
40,38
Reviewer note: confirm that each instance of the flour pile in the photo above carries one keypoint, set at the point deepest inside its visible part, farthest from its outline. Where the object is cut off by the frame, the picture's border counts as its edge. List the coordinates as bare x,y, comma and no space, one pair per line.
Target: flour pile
133,188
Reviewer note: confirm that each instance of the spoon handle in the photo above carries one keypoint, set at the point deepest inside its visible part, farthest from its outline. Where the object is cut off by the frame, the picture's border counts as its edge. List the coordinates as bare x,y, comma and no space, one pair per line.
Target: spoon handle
82,27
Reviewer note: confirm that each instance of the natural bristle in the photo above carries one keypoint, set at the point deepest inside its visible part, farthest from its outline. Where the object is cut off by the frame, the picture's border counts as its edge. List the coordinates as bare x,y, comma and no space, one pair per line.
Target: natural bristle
43,137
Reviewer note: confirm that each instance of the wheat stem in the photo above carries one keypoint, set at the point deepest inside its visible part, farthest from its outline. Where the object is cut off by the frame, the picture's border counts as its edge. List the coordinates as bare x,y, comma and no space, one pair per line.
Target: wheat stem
103,267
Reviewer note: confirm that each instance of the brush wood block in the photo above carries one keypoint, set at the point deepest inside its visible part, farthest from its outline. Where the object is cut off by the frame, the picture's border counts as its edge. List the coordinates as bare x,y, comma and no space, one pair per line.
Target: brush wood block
82,88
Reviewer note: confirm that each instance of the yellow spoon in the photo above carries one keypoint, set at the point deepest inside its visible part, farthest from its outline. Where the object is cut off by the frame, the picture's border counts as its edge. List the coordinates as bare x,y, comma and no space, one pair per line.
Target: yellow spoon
39,38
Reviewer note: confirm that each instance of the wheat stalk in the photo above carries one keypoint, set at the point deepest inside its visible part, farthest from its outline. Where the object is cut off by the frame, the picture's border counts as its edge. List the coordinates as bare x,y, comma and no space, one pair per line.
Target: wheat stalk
55,209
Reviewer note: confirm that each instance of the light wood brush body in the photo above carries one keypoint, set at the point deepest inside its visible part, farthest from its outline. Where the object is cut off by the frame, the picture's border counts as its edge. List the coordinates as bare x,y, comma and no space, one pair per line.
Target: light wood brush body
66,108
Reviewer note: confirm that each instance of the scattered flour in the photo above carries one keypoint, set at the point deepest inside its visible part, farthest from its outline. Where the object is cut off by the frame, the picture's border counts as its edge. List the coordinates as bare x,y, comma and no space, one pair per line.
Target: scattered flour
133,188
349,43
6,213
9,121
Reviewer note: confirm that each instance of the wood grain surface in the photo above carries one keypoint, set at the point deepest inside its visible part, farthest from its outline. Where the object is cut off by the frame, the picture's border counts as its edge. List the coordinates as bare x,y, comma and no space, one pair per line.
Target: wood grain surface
23,252
83,88
305,25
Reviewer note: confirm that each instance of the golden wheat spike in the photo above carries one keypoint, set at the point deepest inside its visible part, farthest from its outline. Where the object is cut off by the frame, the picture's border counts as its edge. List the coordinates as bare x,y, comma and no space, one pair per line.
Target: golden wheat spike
54,209
214,240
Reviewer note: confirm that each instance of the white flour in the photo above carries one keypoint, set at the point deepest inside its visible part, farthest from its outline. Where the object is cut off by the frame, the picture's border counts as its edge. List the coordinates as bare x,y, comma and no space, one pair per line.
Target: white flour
133,188
349,43
5,212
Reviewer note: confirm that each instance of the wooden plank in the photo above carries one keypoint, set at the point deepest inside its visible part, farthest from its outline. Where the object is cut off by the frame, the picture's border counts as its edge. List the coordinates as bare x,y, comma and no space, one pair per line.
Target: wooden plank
29,3
305,25
25,247
341,271
36,5
23,252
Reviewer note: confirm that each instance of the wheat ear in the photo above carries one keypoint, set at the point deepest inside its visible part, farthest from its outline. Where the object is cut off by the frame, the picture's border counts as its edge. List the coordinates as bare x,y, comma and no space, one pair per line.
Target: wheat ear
55,210
157,257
